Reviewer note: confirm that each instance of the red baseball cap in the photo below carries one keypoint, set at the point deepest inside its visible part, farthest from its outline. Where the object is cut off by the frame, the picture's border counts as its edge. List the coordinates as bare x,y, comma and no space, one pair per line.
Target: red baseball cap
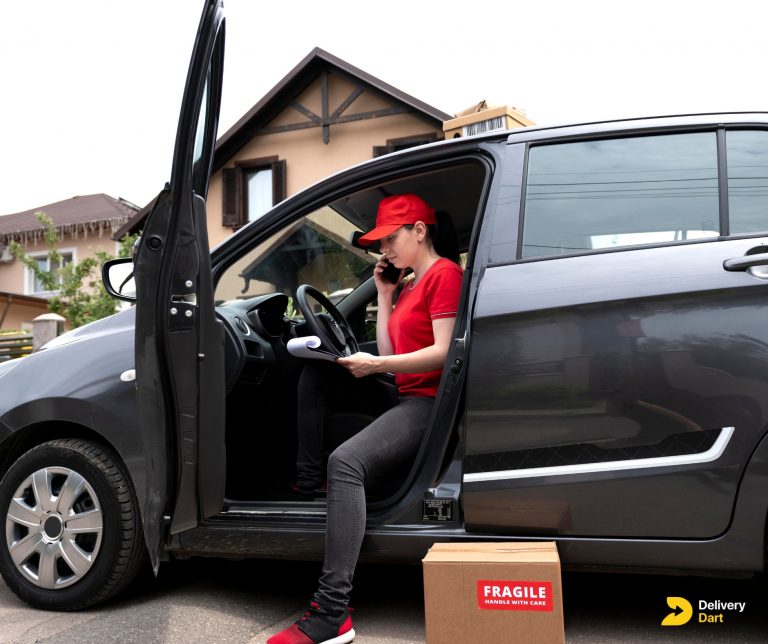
397,211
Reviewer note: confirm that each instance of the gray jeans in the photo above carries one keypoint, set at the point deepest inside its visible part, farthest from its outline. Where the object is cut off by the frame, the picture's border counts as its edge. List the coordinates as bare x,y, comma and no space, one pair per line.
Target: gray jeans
388,442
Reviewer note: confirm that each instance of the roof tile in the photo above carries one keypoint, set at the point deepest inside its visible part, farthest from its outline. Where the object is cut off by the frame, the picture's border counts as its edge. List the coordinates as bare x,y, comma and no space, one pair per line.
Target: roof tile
97,213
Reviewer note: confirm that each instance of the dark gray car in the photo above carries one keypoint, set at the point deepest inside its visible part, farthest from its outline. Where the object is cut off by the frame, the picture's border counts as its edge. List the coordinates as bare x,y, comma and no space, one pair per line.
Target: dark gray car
607,387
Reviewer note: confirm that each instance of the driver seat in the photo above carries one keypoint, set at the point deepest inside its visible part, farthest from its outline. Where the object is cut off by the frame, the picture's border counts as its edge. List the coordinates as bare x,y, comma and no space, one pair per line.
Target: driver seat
340,426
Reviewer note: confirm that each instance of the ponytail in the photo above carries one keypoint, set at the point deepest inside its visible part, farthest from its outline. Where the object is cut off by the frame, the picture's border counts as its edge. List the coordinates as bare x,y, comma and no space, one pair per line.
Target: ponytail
443,236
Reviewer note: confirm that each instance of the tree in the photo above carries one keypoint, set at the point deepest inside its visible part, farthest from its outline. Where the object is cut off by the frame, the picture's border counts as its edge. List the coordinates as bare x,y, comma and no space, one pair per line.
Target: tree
79,296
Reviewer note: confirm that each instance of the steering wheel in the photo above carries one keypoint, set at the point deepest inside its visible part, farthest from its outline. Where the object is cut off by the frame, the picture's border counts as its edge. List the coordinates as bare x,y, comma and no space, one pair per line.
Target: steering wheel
332,329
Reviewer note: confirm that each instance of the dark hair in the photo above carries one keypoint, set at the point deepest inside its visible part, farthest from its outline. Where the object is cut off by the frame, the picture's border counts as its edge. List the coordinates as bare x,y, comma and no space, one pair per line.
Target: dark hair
443,236
445,240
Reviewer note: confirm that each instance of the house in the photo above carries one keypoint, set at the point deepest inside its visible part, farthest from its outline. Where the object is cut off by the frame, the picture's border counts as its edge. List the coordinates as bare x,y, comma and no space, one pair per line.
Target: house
323,116
85,226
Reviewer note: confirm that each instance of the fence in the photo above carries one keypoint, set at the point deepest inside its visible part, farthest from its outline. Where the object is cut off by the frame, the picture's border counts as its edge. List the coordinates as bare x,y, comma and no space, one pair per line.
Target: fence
15,346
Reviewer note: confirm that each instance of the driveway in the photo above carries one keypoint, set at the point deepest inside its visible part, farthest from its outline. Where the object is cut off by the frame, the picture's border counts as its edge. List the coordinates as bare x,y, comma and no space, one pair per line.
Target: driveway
215,601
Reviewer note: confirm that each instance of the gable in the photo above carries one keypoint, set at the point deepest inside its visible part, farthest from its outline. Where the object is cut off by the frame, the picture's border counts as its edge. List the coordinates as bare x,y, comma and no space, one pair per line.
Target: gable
347,101
322,91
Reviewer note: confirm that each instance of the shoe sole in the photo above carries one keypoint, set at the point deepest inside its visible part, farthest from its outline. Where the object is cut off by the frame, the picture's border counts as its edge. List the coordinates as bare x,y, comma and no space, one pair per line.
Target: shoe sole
341,639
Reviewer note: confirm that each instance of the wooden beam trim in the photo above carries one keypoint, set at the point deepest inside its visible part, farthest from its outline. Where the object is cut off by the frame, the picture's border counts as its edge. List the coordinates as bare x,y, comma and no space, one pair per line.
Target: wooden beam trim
347,102
324,100
363,116
308,113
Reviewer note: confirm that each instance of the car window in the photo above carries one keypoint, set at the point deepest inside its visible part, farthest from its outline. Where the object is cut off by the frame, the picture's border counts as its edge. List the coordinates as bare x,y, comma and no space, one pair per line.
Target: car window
747,154
315,250
201,135
592,195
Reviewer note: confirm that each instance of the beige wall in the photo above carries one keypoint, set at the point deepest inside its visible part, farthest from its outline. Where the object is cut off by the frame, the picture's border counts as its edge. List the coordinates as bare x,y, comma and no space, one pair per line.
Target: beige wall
12,279
307,158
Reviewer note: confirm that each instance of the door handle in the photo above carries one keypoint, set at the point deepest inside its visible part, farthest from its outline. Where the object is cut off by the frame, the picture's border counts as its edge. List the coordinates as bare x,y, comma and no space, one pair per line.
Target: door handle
748,261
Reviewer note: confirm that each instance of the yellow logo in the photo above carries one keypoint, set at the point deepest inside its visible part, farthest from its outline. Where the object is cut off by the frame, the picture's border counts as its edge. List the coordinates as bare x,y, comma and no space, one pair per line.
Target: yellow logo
678,618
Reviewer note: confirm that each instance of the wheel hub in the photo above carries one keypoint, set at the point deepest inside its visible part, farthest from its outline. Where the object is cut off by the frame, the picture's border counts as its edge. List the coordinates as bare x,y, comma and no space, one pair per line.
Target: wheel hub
53,527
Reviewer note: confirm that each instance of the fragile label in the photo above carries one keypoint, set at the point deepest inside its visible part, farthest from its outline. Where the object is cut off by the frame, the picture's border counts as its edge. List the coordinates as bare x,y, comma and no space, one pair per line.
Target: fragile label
514,595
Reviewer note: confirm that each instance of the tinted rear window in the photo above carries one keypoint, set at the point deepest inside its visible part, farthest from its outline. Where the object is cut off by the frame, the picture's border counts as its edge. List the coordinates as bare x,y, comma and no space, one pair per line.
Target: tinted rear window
747,153
591,195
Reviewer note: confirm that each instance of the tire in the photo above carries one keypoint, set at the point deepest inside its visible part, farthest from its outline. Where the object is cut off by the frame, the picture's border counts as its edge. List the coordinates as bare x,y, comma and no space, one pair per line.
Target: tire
70,532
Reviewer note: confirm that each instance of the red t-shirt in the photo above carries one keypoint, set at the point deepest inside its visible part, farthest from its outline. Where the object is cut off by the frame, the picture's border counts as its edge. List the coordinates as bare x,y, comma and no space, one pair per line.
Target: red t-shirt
436,295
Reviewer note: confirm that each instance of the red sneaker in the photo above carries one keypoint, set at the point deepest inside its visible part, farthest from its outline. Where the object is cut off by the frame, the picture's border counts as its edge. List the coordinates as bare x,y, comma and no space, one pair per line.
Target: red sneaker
317,627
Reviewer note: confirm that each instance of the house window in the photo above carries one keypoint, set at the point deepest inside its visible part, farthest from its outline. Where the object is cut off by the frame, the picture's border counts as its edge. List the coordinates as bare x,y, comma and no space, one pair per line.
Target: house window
489,125
32,283
250,189
259,192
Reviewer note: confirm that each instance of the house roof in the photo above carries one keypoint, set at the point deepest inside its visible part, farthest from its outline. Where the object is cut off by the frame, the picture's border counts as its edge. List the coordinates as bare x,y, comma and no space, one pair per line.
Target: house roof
8,298
134,223
78,216
298,79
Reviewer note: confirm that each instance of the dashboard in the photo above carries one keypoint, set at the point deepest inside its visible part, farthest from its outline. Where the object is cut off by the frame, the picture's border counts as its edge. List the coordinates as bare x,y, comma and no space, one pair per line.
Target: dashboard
257,332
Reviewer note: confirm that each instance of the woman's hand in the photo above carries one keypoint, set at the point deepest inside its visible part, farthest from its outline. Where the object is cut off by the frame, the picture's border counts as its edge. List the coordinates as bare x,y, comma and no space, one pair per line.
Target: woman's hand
361,364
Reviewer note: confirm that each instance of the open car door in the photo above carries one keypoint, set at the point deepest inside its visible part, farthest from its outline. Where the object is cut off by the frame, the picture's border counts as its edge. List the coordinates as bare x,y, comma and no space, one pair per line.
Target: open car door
179,342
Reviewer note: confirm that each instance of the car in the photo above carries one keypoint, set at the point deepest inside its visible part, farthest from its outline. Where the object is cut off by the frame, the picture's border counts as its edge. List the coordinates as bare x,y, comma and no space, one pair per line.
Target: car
607,388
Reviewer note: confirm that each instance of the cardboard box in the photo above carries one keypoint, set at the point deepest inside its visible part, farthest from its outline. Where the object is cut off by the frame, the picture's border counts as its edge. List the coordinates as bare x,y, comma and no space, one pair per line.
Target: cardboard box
493,592
485,119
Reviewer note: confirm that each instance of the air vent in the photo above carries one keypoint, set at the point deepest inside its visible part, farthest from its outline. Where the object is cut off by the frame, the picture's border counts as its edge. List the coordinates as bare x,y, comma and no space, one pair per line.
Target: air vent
244,328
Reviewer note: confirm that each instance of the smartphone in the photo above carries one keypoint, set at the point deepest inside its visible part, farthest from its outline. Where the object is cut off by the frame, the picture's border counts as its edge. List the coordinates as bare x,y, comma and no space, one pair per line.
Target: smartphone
391,273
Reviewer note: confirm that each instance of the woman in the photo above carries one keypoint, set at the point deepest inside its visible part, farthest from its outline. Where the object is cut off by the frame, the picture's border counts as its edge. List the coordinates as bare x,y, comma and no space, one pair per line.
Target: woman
413,339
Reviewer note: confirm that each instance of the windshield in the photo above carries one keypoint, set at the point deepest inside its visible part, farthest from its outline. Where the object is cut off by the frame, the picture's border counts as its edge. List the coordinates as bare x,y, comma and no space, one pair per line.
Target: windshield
314,250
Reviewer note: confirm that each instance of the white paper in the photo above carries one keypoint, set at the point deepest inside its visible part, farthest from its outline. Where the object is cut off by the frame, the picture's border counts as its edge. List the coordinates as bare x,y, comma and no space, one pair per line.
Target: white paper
309,347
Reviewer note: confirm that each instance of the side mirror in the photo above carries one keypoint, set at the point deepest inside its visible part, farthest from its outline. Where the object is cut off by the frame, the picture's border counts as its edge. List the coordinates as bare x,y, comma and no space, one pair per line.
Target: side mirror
117,275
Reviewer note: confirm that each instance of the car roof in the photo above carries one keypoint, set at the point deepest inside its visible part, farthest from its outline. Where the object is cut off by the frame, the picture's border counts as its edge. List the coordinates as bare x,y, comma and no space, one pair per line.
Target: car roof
643,123
586,128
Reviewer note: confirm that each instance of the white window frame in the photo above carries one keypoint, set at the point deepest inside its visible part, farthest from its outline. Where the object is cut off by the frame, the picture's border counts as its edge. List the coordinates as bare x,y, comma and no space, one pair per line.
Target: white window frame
29,276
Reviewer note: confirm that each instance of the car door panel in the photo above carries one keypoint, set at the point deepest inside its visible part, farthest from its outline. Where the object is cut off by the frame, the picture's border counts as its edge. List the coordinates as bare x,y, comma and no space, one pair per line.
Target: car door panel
619,394
179,342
